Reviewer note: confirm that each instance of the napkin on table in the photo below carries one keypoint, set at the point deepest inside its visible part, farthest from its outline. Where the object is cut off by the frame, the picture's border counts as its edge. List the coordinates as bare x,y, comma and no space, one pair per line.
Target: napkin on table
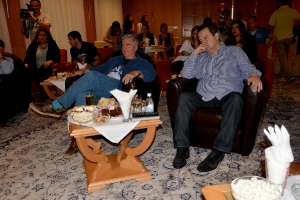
124,99
81,66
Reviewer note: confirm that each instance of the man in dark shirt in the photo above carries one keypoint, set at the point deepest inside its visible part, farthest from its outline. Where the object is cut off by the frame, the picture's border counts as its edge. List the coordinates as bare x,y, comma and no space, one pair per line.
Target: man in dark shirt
84,53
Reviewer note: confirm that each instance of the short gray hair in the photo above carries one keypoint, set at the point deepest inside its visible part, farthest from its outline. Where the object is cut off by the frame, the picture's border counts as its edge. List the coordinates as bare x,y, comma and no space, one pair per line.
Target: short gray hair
134,39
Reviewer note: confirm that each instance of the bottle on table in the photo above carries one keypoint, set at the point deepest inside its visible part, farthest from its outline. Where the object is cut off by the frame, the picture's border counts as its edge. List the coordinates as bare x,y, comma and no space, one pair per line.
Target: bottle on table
149,103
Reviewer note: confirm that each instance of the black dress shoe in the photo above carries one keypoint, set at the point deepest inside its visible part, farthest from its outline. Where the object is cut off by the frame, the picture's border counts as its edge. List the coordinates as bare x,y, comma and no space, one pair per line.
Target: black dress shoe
182,154
212,161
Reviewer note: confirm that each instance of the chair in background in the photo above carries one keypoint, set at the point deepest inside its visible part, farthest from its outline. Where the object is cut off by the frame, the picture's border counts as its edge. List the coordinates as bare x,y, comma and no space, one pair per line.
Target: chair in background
205,123
267,63
63,66
15,90
104,52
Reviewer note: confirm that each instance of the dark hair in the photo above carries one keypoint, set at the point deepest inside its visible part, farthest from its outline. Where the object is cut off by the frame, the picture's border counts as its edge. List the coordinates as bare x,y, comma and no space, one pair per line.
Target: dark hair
127,26
207,21
1,43
143,19
127,17
212,29
230,40
114,25
284,2
254,17
36,1
226,10
163,25
50,38
74,35
192,39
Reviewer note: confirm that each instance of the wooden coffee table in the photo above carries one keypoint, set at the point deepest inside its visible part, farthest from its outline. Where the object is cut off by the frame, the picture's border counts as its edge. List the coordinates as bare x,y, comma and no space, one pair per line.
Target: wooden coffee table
102,169
223,192
46,85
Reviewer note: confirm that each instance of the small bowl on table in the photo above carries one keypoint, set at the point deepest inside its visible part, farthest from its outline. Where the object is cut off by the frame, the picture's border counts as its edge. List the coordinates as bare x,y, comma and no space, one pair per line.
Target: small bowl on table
254,187
102,119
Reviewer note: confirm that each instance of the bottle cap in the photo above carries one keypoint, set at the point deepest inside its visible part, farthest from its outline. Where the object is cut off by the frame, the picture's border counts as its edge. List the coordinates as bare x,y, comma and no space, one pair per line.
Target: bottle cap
148,94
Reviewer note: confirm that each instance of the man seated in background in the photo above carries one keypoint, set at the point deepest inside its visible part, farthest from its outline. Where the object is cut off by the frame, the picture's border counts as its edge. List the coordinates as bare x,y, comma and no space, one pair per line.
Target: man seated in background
6,63
260,33
220,71
99,81
82,52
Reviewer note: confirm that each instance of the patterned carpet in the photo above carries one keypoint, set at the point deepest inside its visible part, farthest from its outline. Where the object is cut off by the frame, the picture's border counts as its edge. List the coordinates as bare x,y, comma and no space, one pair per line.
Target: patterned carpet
32,166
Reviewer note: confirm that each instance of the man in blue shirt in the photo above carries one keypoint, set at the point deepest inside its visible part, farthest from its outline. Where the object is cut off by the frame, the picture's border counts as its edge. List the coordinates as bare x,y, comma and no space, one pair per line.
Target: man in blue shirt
220,71
260,34
99,81
6,63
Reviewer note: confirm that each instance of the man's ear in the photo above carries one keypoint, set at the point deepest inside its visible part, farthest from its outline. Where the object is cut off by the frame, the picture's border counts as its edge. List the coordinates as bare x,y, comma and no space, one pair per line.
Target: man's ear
217,35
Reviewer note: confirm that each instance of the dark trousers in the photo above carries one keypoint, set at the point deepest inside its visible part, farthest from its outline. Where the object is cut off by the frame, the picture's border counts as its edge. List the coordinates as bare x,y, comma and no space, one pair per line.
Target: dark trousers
231,106
40,75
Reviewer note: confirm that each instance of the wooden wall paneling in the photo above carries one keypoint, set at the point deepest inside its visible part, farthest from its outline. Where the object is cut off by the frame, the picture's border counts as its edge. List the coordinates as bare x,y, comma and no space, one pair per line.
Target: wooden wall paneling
265,8
89,15
167,11
14,24
247,8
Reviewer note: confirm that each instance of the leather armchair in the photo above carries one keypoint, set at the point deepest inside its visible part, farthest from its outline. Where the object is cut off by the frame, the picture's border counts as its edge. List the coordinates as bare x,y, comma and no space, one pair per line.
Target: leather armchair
137,83
15,90
205,123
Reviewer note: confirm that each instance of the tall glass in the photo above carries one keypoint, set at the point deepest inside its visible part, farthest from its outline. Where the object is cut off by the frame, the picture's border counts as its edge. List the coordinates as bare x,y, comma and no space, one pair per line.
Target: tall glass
89,99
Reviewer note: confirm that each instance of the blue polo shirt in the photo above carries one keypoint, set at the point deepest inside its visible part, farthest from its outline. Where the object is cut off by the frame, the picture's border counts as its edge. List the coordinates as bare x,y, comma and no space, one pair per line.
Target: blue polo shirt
261,34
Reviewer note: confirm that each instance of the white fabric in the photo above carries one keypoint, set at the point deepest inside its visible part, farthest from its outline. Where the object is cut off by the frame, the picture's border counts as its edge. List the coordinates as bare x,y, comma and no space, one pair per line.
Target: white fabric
65,16
106,12
124,99
186,46
59,83
4,35
115,130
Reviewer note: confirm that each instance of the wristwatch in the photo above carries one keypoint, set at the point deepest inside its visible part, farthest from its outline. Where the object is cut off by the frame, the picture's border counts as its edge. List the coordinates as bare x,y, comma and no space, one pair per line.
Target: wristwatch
36,19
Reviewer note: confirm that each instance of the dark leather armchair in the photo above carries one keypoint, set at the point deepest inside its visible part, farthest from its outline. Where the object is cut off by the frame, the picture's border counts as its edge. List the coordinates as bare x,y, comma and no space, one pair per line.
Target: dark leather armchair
15,90
137,83
205,123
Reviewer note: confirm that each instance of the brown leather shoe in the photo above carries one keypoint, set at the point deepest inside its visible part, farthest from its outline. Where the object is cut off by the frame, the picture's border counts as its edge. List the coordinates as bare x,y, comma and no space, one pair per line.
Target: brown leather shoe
72,150
46,109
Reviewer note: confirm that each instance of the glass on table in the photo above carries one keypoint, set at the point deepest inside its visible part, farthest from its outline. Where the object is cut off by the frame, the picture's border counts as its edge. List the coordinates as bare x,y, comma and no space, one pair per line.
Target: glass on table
137,104
89,99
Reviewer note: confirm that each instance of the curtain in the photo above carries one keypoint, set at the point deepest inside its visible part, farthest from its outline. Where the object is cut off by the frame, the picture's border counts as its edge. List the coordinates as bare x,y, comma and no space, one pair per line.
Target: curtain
65,16
4,35
106,12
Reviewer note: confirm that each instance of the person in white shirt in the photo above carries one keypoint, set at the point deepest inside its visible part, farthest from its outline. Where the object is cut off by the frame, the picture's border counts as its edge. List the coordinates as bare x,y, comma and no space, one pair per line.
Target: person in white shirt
37,19
6,63
186,49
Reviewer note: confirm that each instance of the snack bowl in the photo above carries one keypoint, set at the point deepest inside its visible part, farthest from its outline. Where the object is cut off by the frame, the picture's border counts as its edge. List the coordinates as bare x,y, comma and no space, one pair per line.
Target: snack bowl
254,187
101,120
296,190
82,114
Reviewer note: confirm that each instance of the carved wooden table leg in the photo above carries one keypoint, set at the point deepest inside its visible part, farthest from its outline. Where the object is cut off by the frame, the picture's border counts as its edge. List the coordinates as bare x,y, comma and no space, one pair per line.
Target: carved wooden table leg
102,169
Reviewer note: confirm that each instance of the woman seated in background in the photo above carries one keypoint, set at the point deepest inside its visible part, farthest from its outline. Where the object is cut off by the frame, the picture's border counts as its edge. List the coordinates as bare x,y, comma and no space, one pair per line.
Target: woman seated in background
185,51
167,39
112,35
238,36
144,20
40,55
145,34
127,30
129,18
6,63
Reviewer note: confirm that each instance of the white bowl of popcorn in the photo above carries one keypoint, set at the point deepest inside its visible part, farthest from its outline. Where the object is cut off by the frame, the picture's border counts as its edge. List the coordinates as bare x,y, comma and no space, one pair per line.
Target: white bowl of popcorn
254,188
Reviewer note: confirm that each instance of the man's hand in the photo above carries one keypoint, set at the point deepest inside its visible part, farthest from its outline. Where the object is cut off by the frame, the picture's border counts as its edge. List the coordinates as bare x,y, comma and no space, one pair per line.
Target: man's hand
256,83
32,17
239,45
81,72
200,49
129,77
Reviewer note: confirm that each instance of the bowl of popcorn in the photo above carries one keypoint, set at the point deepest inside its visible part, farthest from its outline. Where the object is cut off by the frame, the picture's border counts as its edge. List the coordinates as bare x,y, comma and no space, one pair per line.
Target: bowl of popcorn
82,114
254,187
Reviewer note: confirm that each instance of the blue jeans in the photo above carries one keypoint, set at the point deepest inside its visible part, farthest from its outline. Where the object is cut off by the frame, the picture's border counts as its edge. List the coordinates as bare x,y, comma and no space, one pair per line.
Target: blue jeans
231,106
93,82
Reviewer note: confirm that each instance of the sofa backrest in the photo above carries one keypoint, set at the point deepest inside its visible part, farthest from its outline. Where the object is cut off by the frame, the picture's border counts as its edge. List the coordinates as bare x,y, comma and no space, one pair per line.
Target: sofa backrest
63,55
19,65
